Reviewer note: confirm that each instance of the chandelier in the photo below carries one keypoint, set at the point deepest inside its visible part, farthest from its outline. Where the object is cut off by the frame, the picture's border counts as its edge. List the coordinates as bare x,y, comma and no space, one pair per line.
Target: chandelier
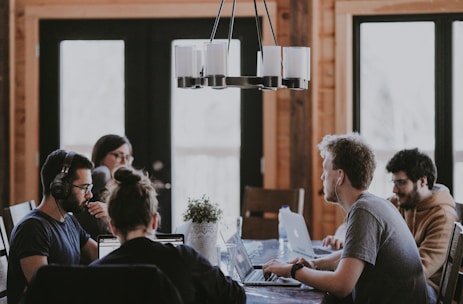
197,67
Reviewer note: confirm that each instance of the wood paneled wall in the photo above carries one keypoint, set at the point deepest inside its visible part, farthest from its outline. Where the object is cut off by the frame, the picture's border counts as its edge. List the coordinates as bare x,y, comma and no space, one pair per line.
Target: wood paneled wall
294,122
4,102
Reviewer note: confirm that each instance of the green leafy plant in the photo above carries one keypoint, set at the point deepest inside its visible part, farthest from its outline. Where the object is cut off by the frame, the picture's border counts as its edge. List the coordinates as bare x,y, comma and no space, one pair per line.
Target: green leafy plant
202,210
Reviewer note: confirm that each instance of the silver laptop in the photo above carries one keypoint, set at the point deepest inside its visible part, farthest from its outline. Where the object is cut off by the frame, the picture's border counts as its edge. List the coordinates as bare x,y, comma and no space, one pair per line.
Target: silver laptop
252,276
299,238
109,242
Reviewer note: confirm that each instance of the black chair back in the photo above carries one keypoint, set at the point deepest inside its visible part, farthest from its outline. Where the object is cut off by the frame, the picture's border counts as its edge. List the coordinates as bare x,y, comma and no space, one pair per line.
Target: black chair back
110,284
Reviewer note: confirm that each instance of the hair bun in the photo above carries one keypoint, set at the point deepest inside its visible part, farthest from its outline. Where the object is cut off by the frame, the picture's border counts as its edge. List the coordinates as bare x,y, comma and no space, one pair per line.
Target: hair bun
125,175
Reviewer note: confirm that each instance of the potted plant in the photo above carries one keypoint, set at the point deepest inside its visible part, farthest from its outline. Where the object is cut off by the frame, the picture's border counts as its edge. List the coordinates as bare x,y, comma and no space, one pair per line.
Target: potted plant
204,216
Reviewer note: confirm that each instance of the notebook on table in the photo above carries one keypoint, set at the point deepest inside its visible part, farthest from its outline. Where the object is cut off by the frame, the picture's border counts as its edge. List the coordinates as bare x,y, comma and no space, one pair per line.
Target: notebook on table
299,237
251,276
109,242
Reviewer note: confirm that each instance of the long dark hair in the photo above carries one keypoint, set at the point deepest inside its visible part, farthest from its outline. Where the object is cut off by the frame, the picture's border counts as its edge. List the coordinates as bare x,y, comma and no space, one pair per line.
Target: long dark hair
106,144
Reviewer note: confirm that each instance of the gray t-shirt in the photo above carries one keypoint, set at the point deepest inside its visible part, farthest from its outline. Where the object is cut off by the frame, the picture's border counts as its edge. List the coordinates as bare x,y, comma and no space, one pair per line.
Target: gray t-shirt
378,235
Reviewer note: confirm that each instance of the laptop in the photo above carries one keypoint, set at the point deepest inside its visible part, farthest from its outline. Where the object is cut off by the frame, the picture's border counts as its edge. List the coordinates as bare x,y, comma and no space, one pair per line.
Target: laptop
299,238
255,277
109,242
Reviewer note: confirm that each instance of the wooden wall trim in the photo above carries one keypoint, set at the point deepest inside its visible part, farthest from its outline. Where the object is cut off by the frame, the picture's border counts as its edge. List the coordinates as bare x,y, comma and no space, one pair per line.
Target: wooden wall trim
21,166
12,100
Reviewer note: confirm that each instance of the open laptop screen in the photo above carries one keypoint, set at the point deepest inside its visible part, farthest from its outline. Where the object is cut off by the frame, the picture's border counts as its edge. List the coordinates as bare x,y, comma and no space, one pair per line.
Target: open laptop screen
109,242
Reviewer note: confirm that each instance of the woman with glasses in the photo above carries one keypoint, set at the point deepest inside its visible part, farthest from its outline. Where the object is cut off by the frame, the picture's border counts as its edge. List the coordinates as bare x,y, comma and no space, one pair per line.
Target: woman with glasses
109,152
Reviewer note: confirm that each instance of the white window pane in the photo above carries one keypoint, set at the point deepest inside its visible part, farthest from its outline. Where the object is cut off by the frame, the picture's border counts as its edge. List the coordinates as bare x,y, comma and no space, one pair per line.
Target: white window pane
458,109
206,142
397,91
92,92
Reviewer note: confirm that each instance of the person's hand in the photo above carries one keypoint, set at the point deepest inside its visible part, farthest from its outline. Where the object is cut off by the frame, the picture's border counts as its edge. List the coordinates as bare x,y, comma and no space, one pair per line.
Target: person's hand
333,241
304,262
278,267
99,210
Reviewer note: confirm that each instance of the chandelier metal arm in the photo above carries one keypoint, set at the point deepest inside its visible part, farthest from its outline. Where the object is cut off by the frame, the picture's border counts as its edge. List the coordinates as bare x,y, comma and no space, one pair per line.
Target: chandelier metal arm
232,23
270,22
216,22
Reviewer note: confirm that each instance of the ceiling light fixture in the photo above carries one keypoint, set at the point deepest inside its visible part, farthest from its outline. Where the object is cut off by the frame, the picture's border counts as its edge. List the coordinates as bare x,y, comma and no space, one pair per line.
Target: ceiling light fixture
197,68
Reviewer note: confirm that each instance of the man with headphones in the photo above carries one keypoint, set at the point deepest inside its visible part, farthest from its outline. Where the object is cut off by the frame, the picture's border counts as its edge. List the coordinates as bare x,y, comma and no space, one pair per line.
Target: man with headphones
49,234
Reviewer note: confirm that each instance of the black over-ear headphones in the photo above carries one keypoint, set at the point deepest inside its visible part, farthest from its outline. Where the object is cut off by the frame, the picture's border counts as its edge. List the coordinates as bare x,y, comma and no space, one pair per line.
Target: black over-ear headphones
60,188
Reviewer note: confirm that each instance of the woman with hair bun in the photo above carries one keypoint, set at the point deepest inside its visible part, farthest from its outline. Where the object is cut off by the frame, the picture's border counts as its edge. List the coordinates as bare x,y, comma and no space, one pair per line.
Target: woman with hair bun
132,208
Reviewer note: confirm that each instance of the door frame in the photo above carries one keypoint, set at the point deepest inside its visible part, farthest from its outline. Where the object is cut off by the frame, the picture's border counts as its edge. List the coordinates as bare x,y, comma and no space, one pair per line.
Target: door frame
21,167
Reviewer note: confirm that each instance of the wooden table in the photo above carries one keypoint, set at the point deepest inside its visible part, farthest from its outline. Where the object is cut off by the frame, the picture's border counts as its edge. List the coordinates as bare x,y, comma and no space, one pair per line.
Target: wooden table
262,251
283,295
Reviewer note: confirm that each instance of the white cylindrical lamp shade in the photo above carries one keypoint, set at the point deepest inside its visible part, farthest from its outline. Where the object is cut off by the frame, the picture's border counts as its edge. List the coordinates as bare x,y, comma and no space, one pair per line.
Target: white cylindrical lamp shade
216,59
185,61
199,63
271,62
296,62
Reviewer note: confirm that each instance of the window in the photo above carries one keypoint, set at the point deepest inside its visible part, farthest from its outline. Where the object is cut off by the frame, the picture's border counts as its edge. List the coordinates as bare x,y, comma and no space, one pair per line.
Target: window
206,142
92,92
403,91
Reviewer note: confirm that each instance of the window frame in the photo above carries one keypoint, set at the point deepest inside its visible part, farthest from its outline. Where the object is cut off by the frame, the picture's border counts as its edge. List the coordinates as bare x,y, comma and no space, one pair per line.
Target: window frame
345,11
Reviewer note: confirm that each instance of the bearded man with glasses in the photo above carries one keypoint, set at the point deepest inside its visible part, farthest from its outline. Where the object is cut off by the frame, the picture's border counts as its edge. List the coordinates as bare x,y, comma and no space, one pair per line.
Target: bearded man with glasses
50,234
428,208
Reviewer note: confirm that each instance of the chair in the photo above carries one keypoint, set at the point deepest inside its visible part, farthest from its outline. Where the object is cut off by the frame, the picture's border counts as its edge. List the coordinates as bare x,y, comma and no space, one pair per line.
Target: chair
450,272
4,250
14,213
459,210
101,284
260,210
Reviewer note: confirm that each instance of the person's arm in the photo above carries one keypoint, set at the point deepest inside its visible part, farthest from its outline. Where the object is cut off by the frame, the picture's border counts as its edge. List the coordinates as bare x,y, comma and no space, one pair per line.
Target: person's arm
100,211
327,262
90,250
31,264
433,248
340,282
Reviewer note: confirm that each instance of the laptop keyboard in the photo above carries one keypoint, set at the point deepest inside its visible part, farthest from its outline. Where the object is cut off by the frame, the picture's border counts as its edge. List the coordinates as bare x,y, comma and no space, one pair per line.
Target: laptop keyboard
257,276
321,251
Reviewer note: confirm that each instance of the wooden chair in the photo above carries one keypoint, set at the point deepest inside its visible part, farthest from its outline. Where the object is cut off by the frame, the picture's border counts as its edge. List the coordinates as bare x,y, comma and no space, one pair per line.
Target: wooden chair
450,273
13,214
102,284
4,250
260,210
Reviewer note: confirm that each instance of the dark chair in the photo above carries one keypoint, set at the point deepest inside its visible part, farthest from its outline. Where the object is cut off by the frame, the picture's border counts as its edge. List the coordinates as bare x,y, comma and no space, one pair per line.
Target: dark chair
260,210
459,210
450,273
14,213
103,284
4,249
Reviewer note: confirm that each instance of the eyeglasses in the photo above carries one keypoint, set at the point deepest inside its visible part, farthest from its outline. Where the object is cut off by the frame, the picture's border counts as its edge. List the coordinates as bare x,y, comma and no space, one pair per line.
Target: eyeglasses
399,182
87,187
121,156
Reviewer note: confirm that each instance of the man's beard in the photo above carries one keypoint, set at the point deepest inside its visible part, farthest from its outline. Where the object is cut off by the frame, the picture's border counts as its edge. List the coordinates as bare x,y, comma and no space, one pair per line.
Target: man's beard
412,199
332,196
71,204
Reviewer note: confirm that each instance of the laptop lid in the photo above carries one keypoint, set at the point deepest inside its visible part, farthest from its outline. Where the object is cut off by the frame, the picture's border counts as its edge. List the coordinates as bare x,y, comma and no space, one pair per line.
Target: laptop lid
106,244
243,264
172,238
109,242
244,268
298,235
